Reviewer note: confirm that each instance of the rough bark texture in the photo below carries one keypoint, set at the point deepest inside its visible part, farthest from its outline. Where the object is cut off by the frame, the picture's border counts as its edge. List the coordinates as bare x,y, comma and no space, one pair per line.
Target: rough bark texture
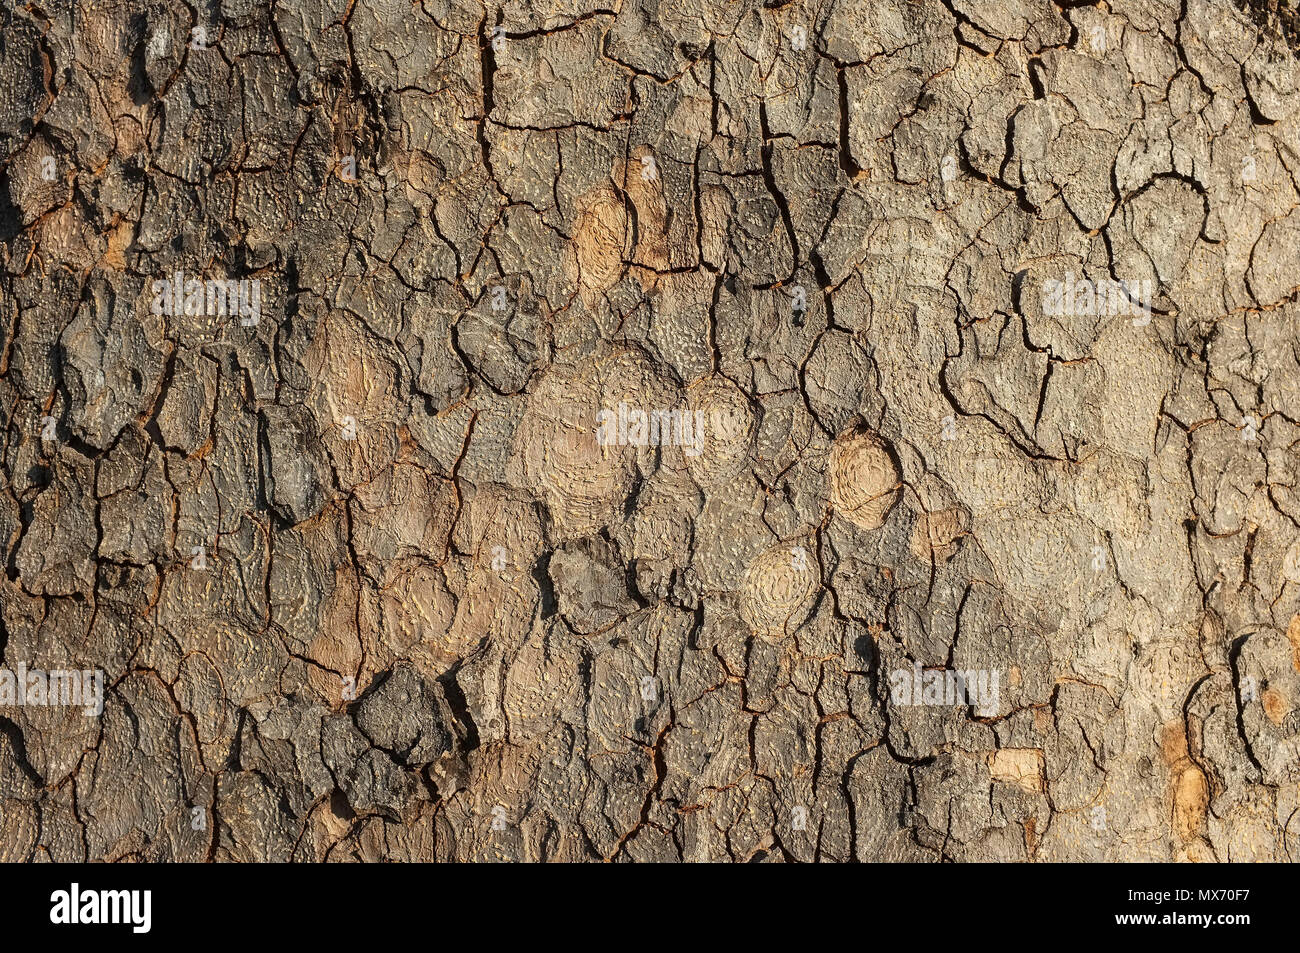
367,581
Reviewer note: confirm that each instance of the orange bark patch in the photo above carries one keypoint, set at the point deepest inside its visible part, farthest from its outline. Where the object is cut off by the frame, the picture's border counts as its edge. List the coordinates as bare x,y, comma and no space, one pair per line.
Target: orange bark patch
1275,705
1293,636
1189,791
119,240
600,240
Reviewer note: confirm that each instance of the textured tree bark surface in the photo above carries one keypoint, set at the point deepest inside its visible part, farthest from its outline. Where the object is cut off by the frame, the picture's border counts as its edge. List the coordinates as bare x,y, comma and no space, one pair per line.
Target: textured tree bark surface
651,431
